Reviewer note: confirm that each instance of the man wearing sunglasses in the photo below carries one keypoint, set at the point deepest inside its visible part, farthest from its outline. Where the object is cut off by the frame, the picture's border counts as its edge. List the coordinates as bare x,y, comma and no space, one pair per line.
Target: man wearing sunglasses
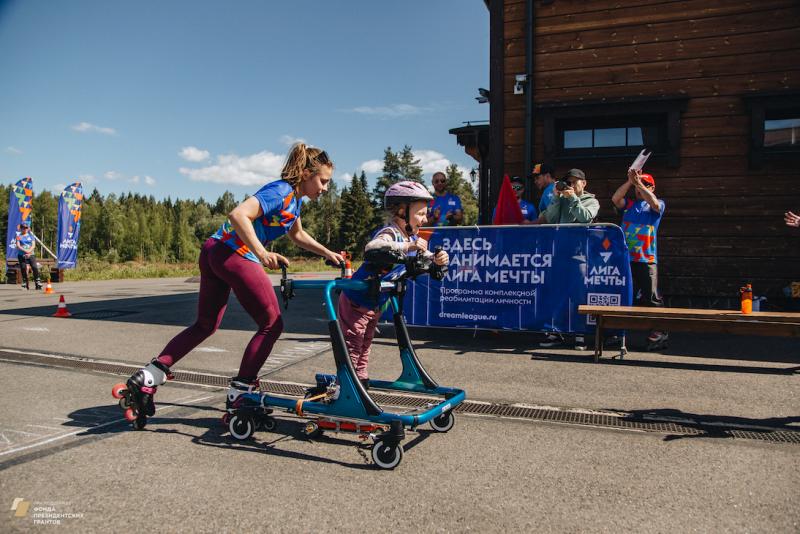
571,203
543,180
445,208
640,220
528,209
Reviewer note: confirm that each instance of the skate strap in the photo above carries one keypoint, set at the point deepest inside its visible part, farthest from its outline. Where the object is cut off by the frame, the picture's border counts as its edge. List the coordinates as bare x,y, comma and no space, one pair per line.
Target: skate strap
148,390
298,407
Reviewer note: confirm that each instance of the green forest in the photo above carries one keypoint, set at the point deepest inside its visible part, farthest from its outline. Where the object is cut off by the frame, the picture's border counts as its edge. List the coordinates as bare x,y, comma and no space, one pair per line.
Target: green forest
135,228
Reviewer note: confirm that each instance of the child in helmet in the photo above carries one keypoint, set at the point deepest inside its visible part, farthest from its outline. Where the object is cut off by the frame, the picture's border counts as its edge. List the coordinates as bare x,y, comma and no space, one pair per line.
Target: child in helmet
406,206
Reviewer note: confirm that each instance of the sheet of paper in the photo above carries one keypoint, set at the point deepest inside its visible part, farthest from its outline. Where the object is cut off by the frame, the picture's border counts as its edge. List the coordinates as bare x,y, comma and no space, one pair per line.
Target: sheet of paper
641,159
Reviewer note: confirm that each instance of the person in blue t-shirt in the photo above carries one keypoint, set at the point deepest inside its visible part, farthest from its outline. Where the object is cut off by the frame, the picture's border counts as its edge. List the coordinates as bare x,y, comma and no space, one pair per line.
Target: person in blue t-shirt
233,259
544,182
445,208
528,209
25,248
640,219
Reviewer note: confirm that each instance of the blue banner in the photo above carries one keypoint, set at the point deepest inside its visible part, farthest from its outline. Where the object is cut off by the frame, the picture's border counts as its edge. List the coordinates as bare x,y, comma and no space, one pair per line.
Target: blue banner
523,278
19,211
69,225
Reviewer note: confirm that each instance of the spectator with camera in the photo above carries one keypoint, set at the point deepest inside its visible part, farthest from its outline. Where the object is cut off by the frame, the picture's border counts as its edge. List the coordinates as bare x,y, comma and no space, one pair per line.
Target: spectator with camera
445,208
543,180
571,202
640,220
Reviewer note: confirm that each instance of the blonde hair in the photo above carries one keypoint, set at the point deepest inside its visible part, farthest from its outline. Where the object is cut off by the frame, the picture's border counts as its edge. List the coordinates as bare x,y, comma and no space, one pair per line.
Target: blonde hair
300,158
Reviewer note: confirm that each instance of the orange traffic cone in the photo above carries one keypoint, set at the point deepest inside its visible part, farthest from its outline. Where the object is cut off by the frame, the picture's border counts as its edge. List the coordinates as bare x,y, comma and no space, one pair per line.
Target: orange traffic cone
48,289
62,310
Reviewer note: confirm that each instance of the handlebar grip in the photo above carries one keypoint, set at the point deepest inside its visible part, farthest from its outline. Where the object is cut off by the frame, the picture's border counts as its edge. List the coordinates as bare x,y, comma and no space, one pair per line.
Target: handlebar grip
330,263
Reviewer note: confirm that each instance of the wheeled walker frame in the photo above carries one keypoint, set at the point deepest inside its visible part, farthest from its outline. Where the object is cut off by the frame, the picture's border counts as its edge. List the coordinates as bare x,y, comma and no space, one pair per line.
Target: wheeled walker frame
347,405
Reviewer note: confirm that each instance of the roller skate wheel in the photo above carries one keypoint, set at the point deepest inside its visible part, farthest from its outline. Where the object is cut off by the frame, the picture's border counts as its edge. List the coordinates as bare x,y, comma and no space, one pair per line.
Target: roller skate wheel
118,391
241,427
130,415
124,403
387,455
140,422
443,422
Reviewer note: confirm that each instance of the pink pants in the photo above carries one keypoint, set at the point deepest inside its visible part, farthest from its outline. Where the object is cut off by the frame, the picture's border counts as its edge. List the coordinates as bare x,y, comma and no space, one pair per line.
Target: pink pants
221,270
358,326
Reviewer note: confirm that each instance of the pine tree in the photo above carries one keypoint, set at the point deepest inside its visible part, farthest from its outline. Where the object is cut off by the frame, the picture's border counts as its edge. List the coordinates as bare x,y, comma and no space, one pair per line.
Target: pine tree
357,221
410,169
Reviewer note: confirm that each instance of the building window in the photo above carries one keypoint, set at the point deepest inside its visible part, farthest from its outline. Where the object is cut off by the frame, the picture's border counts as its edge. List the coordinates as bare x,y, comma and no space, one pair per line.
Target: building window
774,126
782,133
613,129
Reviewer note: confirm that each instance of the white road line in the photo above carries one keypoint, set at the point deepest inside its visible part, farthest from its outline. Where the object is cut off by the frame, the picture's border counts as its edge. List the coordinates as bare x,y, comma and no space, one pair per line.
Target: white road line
114,422
45,426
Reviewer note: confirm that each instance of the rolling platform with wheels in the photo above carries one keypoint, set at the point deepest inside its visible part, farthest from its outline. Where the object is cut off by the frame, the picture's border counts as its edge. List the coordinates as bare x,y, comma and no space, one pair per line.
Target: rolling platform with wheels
340,402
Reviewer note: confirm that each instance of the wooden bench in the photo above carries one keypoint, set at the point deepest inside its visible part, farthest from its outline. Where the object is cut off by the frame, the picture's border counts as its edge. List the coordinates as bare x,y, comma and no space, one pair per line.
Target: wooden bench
778,324
14,275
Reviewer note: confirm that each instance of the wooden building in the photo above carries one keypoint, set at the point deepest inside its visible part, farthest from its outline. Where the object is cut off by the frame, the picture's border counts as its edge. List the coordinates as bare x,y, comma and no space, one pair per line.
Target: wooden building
711,86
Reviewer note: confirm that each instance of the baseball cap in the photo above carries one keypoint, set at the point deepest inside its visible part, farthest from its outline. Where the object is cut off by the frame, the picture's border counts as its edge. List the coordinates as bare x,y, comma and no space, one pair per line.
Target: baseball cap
23,225
576,173
518,179
542,168
648,179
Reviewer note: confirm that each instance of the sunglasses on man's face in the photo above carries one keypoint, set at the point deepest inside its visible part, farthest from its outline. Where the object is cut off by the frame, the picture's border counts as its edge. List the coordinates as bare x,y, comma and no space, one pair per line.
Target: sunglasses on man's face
517,187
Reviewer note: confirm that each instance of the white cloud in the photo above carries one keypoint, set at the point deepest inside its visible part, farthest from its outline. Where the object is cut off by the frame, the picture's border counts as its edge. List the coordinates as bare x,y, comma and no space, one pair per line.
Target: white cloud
431,161
87,178
372,166
255,169
112,175
192,153
149,180
289,140
134,179
389,112
13,150
58,188
89,127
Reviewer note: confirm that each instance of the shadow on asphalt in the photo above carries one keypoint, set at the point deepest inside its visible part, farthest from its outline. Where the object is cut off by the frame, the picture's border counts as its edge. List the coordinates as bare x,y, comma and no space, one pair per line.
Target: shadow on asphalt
215,433
710,426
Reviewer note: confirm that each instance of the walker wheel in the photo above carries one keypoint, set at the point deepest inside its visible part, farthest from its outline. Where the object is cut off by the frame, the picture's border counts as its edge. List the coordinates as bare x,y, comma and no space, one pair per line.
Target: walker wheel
130,415
444,422
268,423
118,391
387,455
241,426
226,419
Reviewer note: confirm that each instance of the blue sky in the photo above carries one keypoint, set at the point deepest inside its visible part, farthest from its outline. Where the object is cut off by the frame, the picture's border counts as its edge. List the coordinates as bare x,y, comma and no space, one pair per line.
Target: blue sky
189,98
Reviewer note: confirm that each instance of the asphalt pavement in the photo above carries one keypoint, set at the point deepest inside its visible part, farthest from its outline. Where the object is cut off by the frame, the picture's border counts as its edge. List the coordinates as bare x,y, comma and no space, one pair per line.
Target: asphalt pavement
70,461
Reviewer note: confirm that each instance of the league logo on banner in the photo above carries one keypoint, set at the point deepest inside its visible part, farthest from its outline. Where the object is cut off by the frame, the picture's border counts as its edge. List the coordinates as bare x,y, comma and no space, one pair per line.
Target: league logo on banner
523,278
69,225
19,211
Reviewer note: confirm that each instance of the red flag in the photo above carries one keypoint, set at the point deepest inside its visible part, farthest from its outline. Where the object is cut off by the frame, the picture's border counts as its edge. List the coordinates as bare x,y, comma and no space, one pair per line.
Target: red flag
507,210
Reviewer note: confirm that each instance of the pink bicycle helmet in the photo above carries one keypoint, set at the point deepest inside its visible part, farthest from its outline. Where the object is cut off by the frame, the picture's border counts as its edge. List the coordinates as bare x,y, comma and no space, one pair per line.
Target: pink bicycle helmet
405,192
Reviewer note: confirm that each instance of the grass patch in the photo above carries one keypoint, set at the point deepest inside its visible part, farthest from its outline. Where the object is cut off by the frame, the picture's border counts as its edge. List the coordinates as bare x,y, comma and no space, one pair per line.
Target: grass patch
93,269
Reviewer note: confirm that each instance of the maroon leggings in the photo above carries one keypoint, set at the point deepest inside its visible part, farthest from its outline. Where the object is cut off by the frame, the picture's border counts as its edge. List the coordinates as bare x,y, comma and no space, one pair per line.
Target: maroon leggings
221,270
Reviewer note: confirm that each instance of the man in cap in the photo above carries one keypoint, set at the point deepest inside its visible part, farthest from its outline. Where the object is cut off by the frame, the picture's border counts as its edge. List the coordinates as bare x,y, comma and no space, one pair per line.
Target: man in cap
640,220
543,178
25,248
571,203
